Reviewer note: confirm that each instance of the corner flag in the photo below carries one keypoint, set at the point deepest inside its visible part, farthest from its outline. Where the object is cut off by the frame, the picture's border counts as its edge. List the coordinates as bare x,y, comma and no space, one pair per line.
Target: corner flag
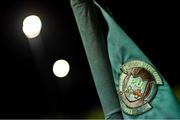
142,91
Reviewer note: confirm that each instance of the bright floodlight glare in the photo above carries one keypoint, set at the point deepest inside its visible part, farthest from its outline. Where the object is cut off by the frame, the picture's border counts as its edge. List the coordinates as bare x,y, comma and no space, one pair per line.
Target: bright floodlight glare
32,26
61,68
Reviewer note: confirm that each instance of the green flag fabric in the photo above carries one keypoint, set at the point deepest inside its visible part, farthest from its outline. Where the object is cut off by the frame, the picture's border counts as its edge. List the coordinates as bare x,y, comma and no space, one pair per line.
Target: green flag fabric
142,91
123,51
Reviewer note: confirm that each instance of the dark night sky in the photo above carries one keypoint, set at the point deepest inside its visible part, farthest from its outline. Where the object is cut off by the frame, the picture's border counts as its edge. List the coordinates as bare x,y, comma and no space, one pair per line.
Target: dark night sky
29,91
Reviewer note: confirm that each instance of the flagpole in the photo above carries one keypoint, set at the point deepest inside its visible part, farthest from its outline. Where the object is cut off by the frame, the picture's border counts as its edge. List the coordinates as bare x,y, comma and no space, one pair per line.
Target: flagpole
96,51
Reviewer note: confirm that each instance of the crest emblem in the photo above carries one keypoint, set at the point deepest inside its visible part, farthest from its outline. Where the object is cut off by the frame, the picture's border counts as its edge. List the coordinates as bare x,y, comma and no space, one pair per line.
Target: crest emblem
137,86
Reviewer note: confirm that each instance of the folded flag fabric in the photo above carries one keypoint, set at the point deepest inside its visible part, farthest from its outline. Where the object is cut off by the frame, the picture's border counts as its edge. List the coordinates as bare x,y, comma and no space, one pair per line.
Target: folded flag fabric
128,84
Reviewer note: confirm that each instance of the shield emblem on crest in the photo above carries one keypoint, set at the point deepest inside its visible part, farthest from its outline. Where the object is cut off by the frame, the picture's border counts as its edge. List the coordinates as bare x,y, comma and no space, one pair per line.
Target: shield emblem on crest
138,85
135,88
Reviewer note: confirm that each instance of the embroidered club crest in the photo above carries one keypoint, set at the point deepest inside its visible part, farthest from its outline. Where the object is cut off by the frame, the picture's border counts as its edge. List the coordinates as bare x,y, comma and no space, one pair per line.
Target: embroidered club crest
137,86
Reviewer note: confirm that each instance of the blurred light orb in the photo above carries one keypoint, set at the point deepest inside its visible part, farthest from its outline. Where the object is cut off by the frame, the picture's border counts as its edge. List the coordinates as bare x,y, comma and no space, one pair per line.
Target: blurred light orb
61,68
32,26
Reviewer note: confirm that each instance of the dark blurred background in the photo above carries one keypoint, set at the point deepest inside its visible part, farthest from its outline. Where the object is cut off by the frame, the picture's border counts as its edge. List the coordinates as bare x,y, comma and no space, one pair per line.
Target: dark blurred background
26,93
